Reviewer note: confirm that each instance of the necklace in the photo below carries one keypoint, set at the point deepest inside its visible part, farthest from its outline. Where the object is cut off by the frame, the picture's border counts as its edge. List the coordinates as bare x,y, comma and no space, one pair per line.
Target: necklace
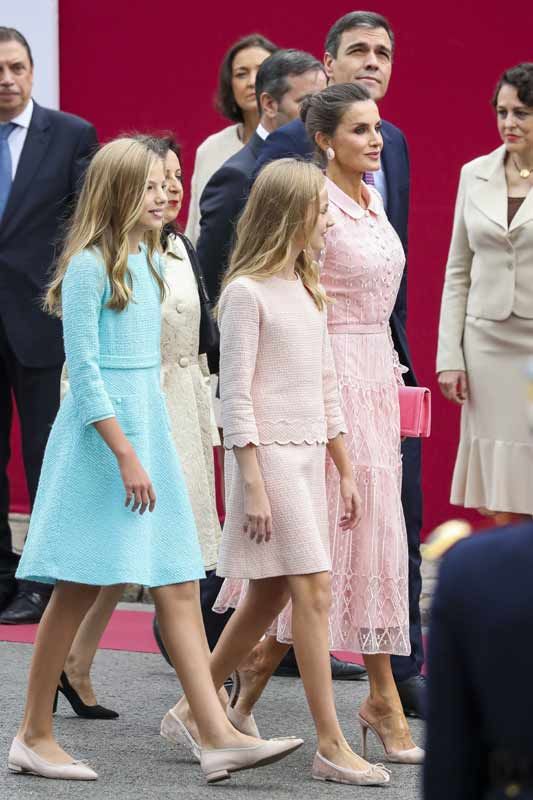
523,172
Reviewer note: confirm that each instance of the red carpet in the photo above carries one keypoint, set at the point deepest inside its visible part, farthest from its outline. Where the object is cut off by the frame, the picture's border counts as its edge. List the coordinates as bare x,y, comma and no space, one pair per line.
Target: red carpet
127,630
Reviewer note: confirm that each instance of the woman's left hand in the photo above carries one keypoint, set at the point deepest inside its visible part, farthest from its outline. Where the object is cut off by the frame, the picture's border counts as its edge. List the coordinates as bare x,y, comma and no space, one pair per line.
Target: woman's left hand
353,506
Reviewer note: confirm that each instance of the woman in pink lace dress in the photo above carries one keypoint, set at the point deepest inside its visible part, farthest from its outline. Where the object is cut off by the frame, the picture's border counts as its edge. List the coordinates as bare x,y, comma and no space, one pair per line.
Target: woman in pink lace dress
361,273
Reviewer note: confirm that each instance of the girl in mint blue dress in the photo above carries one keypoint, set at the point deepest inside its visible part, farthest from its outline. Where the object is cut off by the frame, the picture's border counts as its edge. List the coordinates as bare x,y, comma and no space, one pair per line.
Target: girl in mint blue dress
112,506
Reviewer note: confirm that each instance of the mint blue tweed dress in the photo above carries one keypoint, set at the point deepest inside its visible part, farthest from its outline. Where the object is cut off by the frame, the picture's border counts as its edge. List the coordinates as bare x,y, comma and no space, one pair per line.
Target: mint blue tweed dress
80,529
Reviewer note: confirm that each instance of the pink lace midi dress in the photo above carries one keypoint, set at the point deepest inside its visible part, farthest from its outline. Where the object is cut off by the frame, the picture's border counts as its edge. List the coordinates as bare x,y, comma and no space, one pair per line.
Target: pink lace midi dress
362,270
279,392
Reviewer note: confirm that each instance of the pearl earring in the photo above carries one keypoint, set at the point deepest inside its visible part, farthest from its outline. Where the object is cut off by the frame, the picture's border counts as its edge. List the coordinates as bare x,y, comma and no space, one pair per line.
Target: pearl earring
330,153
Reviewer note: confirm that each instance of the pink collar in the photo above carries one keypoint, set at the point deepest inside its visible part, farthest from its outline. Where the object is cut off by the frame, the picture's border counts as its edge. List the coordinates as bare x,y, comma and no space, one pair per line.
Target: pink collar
349,206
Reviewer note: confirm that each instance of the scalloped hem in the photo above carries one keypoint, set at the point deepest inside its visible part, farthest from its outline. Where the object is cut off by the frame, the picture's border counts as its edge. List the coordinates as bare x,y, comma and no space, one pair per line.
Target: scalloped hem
495,475
317,440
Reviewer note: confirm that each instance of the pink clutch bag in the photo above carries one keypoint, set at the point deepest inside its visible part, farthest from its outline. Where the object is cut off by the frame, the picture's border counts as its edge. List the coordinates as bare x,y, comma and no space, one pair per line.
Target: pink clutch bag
415,411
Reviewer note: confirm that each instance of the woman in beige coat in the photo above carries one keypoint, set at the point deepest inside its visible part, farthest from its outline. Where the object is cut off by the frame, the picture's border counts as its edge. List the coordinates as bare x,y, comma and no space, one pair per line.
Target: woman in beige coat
486,323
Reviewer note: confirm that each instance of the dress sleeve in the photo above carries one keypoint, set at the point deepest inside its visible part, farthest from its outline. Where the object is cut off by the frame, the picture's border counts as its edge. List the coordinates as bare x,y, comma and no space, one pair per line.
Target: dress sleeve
399,369
455,294
239,340
82,298
334,417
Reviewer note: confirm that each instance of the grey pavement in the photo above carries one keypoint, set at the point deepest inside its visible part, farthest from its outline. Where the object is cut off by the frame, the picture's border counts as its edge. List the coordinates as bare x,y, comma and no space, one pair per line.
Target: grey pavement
133,761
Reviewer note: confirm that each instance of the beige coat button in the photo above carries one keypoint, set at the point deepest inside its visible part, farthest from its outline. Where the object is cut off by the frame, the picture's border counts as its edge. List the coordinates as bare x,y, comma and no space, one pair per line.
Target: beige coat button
184,361
180,308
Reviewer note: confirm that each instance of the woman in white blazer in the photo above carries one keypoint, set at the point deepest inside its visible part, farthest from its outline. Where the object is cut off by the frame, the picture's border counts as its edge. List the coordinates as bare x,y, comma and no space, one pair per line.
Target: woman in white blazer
237,102
486,323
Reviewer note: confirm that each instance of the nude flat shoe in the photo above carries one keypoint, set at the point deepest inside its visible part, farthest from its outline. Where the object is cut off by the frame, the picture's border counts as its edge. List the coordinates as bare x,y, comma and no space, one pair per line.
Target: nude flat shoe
245,723
217,765
23,759
324,770
413,755
175,731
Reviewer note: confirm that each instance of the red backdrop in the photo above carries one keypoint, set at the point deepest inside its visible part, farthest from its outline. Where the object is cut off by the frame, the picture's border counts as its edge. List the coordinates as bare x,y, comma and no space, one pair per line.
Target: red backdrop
127,65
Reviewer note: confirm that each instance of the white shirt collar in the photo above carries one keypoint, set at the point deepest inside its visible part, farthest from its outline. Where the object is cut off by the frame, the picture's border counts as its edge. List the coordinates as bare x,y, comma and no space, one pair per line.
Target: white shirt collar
24,118
260,130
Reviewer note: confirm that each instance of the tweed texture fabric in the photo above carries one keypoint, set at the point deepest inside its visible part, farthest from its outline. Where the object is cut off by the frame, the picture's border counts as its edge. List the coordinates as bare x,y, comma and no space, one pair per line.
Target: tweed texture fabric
80,530
279,392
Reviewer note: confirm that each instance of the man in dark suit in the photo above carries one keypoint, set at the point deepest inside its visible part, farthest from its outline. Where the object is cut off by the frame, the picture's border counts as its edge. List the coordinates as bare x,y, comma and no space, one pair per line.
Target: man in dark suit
479,733
359,49
283,80
43,155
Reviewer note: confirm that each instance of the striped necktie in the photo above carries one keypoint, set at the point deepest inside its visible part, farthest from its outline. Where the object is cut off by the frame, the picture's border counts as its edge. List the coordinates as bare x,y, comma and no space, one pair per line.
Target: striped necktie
368,178
5,164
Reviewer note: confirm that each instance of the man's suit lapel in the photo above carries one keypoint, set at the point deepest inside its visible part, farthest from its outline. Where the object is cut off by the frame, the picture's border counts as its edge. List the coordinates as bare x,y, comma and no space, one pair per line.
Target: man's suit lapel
35,146
390,169
256,144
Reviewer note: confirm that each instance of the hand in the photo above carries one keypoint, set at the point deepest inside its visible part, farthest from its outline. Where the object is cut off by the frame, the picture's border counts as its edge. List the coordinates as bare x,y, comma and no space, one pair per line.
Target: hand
454,385
136,482
258,522
353,506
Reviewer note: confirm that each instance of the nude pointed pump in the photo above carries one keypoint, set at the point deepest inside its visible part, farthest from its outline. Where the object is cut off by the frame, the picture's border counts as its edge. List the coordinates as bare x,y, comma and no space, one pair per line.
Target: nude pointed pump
414,755
324,770
25,760
217,765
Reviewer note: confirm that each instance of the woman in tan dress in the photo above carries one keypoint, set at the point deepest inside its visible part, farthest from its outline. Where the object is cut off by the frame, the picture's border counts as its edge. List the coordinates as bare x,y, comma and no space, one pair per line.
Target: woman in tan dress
486,324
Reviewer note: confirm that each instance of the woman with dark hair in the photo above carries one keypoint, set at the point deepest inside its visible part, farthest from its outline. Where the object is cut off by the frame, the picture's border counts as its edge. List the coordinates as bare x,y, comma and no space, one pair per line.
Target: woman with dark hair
185,380
237,102
486,323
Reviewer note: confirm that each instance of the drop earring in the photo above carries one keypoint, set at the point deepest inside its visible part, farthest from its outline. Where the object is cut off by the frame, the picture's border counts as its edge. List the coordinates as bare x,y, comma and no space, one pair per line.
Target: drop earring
330,153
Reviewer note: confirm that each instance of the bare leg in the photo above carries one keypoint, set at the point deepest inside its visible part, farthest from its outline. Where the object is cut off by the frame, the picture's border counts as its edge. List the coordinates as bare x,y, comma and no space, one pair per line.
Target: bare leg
67,607
263,601
81,656
311,599
257,669
182,630
383,708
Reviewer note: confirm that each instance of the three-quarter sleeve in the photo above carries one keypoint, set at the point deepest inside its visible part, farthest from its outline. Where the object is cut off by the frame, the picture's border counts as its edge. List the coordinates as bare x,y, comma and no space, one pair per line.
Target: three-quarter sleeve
239,339
455,294
82,298
335,423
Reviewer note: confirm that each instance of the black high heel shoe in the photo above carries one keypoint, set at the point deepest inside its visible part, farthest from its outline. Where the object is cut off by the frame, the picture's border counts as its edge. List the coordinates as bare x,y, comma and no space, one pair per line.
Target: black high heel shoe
78,706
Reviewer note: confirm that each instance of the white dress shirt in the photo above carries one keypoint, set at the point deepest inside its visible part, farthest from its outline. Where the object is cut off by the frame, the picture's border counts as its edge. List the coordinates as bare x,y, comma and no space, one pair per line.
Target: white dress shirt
18,136
262,132
381,185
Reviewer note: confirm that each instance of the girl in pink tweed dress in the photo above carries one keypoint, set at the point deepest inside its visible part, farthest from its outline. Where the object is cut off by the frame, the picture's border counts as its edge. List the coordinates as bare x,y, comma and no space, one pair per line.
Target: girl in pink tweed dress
280,411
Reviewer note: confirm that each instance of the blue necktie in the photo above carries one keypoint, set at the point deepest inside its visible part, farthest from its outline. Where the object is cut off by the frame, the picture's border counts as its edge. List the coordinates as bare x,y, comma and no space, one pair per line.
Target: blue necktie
5,164
369,179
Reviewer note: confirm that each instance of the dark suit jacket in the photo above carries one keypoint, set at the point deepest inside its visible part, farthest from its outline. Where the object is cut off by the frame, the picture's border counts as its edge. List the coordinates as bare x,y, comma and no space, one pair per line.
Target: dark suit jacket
221,204
56,153
482,616
292,140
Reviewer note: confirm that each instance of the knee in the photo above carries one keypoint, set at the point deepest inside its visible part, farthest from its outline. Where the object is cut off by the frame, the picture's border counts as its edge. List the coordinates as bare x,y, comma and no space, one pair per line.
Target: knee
313,593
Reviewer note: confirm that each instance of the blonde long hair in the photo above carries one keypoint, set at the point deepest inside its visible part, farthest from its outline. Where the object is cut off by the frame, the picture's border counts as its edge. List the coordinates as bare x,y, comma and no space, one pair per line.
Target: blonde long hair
108,208
284,203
